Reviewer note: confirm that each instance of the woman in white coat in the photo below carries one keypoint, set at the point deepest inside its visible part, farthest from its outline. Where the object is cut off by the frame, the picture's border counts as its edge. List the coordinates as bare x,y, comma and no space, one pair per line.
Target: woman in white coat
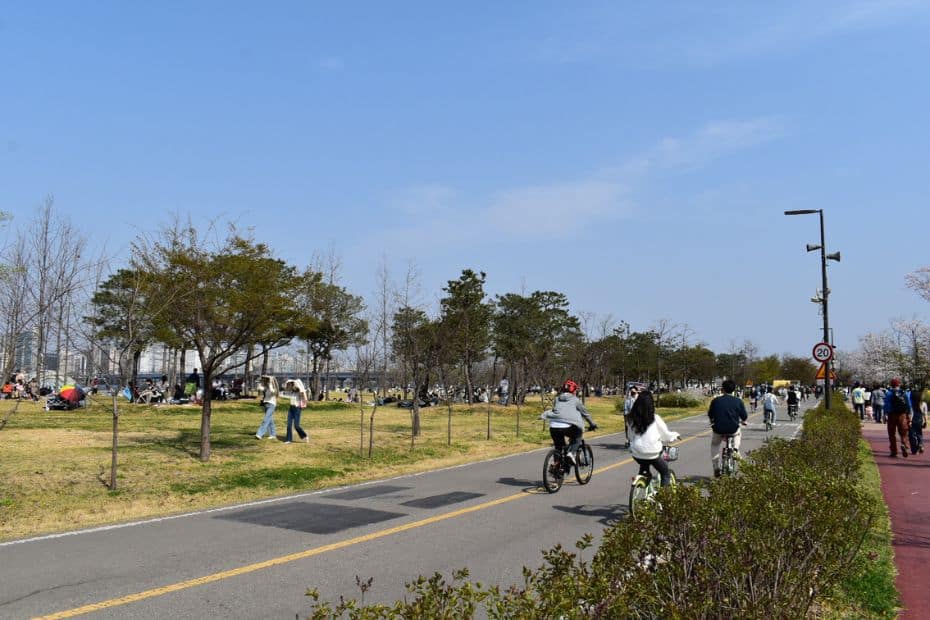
648,433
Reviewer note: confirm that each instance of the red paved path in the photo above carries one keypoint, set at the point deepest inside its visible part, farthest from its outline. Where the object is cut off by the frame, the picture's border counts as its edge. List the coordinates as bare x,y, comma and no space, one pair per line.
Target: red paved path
906,487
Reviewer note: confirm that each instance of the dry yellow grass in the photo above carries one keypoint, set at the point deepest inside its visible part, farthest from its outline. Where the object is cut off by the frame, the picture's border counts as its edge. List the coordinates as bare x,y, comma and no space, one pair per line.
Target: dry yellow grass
54,465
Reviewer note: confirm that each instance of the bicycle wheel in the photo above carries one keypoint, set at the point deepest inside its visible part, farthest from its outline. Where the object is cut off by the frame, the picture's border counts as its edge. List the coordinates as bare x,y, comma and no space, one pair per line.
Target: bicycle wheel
583,472
672,478
552,472
638,493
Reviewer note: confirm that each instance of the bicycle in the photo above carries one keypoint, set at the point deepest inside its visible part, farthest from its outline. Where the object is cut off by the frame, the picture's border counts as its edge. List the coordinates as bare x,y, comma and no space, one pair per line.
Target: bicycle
768,415
793,411
644,488
557,464
729,464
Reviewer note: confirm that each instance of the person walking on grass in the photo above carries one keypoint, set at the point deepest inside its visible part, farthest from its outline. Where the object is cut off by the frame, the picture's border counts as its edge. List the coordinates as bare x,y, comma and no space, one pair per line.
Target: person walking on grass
898,411
296,391
269,401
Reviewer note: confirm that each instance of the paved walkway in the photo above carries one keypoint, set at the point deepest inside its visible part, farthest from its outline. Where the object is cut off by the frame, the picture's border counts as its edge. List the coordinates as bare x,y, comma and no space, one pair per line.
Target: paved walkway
906,487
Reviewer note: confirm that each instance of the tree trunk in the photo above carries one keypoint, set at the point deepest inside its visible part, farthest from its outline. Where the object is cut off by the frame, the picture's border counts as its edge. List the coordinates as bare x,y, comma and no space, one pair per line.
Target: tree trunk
266,354
205,414
361,431
113,449
58,330
371,429
469,388
134,376
449,422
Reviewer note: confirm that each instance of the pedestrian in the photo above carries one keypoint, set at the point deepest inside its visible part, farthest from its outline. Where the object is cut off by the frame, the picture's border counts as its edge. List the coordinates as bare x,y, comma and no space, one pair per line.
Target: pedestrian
627,407
878,404
918,420
296,391
898,411
858,398
269,402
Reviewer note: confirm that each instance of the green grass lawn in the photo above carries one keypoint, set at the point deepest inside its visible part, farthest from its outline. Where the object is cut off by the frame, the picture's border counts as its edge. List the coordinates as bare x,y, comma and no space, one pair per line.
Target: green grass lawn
55,465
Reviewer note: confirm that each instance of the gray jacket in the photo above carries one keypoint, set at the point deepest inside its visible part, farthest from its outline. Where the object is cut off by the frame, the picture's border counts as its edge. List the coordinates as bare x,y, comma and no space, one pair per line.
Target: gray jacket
569,409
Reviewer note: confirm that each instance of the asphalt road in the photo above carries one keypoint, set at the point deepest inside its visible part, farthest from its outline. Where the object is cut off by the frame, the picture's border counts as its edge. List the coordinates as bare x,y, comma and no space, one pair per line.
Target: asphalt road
257,560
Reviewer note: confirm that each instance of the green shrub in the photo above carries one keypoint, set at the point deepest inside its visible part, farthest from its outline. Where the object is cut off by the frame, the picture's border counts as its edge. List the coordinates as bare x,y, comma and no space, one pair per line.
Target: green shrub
677,400
765,544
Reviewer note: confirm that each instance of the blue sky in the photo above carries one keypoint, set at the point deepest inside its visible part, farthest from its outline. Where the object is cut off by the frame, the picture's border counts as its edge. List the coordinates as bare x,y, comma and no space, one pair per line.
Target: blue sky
635,156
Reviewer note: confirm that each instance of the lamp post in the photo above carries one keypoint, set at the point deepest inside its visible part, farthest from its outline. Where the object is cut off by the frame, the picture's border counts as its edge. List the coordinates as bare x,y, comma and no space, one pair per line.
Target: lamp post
826,291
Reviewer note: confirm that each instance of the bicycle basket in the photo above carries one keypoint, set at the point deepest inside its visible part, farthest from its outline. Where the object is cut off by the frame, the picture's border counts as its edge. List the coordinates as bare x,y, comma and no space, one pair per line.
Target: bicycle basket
670,453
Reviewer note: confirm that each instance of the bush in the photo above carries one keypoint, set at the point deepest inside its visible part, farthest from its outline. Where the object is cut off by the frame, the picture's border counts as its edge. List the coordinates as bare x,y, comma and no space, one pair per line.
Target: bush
677,400
764,544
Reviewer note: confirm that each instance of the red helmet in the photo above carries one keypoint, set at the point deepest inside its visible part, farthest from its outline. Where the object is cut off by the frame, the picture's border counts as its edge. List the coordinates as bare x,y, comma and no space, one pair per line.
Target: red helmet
570,386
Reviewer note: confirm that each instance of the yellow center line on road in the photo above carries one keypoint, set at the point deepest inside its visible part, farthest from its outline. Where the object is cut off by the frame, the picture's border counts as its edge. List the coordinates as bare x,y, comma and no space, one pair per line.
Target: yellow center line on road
300,555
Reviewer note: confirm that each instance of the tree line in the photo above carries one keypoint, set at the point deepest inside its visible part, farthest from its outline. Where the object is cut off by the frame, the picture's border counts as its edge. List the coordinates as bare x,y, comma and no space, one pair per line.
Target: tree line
225,296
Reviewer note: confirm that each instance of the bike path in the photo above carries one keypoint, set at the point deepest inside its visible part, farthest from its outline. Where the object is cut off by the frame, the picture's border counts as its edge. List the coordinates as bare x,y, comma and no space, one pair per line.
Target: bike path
906,488
257,560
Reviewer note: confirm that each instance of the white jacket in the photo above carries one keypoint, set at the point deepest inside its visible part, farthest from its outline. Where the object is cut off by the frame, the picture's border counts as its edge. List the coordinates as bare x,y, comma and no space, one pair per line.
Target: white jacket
649,445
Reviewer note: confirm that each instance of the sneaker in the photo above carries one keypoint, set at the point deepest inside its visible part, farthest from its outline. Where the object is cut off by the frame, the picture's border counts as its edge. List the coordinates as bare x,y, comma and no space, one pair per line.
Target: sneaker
286,442
258,437
306,438
920,450
903,451
272,436
893,455
570,457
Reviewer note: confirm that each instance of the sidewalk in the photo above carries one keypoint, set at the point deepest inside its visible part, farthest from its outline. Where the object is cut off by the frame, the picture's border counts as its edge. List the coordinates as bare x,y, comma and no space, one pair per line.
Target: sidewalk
906,487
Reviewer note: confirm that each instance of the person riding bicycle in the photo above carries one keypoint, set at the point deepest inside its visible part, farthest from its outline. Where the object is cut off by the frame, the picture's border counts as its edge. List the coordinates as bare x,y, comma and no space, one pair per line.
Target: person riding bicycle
793,400
726,414
769,402
648,433
566,419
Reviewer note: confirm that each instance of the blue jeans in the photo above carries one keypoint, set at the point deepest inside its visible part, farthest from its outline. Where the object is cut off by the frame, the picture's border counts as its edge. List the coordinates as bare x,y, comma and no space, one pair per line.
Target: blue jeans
268,422
293,419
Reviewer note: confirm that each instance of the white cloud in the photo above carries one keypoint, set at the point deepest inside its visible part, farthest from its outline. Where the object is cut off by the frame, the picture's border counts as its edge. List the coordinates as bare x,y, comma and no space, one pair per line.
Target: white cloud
708,143
809,22
440,218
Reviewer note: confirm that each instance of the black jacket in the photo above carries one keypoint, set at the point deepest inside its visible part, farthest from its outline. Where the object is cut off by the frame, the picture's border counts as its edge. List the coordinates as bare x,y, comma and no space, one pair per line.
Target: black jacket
725,413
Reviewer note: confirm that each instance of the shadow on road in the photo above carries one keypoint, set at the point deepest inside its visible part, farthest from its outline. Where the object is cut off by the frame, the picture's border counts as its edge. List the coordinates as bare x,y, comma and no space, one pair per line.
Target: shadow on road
519,482
608,515
610,446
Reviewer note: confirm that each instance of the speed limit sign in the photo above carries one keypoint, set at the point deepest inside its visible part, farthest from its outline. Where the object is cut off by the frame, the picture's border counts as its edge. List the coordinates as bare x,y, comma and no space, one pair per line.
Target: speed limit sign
823,352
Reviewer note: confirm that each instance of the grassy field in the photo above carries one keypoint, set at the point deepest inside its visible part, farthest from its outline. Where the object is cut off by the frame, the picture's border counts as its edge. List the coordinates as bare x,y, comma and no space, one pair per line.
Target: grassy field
54,465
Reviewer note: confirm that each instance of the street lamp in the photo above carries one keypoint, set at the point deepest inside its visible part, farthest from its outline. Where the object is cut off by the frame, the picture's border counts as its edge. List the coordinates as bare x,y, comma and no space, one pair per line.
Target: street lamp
811,247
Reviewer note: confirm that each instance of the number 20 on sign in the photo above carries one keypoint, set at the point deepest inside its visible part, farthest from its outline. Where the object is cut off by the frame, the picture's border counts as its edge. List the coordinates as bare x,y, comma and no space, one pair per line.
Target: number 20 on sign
823,352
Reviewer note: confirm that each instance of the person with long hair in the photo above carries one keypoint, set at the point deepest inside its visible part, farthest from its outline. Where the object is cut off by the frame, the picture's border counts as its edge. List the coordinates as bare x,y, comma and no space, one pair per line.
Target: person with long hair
269,402
298,394
648,433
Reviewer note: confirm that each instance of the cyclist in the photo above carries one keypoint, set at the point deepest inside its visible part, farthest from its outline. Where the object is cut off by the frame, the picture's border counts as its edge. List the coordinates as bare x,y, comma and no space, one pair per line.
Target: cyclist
566,419
793,400
755,399
647,434
769,402
726,414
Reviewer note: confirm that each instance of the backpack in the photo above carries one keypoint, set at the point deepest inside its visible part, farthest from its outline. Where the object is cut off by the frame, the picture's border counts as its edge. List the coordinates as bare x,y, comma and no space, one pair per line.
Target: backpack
898,402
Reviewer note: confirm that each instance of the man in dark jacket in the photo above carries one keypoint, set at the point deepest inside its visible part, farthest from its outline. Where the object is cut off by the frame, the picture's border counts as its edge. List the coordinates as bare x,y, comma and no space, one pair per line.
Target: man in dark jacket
726,414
